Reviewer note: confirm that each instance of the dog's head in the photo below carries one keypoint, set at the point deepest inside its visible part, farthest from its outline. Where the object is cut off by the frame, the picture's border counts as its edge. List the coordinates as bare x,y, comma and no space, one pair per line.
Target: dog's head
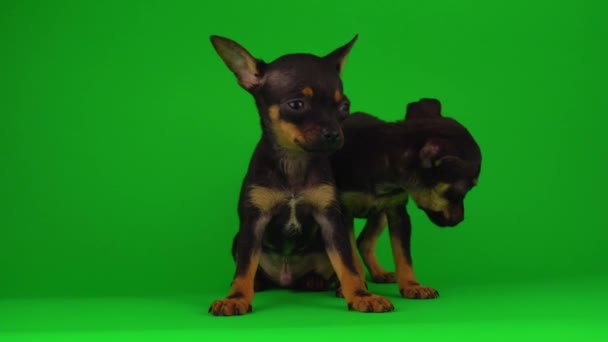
449,164
299,96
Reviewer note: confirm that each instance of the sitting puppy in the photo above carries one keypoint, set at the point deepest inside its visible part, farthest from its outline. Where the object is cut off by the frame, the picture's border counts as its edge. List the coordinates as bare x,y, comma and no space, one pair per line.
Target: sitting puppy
290,220
431,158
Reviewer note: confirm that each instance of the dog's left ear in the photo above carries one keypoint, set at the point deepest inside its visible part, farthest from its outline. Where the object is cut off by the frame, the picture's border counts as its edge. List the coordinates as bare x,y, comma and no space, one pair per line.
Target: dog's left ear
245,67
430,152
425,108
338,56
435,152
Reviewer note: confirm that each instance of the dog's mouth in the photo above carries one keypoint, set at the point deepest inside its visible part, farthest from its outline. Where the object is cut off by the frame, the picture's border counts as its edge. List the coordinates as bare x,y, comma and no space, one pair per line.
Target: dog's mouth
439,219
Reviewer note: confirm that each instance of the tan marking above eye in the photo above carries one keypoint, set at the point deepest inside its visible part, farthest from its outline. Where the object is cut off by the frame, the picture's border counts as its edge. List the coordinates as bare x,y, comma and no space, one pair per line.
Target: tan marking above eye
474,181
338,95
307,91
273,112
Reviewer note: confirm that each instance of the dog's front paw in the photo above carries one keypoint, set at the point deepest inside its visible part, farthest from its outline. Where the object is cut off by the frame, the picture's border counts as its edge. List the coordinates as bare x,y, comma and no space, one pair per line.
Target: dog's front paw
367,302
230,307
418,292
384,278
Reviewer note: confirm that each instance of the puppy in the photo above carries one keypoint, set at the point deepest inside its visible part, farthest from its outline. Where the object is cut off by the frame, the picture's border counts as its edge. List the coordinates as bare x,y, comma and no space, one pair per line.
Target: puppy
428,157
288,203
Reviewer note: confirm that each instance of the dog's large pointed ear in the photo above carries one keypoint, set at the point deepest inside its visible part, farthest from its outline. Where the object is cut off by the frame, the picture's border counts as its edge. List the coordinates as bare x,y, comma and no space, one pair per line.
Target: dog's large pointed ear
239,61
338,56
423,109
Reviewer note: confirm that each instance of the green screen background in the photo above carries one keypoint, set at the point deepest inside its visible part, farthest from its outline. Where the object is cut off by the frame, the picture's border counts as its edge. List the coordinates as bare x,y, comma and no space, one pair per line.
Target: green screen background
124,140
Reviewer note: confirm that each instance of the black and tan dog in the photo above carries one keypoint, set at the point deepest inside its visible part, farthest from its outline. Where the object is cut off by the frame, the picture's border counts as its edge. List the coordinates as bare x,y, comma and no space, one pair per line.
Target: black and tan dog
431,158
288,201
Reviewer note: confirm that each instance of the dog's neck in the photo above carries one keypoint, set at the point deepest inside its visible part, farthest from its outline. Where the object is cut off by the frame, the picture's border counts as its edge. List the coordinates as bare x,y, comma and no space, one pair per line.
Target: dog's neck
403,169
293,165
403,164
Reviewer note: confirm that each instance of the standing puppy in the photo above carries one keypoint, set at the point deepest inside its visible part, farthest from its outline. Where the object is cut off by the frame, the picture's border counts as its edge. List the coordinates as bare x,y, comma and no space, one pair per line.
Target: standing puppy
431,158
300,101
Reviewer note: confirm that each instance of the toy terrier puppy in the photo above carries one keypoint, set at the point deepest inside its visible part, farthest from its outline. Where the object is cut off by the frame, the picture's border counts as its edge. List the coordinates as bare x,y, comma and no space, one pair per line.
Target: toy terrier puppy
288,199
428,157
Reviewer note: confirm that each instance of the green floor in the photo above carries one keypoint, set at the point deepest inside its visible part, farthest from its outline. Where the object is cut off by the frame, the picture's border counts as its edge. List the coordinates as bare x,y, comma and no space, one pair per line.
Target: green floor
555,310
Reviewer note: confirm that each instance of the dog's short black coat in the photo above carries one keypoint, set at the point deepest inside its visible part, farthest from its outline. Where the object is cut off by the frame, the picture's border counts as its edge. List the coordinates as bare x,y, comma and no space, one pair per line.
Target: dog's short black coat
288,204
431,158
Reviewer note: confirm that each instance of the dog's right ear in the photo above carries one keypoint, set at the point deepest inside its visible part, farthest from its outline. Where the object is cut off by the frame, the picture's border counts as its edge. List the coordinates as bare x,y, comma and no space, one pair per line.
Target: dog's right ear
239,61
423,109
338,56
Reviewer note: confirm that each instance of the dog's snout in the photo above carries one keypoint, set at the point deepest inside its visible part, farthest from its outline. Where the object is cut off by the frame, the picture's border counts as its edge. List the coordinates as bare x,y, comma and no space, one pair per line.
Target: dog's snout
446,218
457,214
330,134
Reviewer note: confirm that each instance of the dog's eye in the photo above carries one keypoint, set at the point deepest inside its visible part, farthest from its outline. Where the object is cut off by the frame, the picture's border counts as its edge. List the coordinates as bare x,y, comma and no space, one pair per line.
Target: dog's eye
296,104
345,107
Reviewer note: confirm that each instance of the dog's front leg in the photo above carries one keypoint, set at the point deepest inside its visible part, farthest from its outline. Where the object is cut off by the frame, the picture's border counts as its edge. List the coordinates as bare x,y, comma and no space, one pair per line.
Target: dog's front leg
349,223
340,250
400,230
247,257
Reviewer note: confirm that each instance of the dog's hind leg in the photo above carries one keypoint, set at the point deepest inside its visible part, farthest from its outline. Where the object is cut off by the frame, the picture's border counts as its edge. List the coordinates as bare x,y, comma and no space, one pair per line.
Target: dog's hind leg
366,243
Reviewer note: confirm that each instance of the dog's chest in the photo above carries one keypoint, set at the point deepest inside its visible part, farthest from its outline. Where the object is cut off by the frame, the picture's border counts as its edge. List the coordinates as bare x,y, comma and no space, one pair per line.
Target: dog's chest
293,215
291,210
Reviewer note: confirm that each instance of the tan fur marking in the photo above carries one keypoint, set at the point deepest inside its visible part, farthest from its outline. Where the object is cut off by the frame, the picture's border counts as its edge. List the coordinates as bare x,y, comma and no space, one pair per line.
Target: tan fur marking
287,134
266,199
375,224
338,95
273,111
405,272
432,199
349,282
291,132
244,284
475,181
307,92
320,197
356,259
361,202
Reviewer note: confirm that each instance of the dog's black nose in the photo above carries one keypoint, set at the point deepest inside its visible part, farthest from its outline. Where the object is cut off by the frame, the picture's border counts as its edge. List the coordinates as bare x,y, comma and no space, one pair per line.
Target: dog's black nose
330,134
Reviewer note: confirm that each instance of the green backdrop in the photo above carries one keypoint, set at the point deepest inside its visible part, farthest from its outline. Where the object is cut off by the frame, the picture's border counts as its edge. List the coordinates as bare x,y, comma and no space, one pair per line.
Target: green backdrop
124,140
